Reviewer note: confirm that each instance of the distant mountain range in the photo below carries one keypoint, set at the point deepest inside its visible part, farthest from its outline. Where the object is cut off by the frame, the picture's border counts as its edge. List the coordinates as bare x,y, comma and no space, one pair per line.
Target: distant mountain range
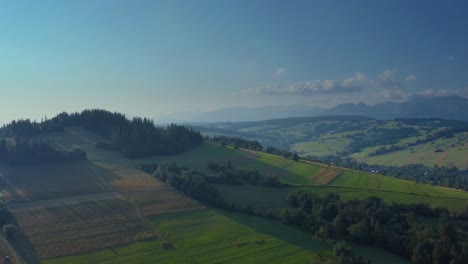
446,107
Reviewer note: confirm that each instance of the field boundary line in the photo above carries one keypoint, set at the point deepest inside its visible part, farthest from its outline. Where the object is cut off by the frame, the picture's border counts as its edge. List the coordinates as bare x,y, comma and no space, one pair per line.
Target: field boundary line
65,200
376,190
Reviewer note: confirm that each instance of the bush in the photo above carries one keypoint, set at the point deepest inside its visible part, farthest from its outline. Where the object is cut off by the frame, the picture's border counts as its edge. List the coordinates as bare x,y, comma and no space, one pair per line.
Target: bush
9,230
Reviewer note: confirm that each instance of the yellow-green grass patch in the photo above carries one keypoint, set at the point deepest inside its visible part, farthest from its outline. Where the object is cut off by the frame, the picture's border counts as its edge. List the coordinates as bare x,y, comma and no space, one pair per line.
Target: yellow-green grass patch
76,228
325,176
442,151
210,236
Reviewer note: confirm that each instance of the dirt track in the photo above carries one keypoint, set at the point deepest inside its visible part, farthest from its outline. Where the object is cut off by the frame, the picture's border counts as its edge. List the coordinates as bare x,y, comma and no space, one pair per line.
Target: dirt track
65,200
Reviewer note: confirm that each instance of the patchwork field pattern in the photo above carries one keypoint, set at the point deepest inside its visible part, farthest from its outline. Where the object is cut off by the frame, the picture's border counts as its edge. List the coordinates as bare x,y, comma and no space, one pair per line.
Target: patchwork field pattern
150,195
325,176
28,183
77,228
209,236
147,194
131,217
441,152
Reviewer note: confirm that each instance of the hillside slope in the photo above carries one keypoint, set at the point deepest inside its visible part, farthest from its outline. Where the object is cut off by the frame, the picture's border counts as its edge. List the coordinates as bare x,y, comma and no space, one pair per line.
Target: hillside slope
123,214
384,142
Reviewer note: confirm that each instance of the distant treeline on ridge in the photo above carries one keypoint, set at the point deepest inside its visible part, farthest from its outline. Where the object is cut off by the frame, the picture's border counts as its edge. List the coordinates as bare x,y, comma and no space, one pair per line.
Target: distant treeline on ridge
134,138
30,151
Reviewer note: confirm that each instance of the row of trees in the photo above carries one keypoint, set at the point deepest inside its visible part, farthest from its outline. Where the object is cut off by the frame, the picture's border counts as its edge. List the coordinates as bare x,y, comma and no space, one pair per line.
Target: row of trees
135,138
7,228
138,137
448,132
190,182
198,186
448,176
378,136
26,128
23,151
236,142
370,221
225,174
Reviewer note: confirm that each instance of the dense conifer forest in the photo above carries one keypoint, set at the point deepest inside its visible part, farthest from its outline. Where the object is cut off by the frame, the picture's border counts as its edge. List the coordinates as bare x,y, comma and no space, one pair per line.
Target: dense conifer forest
134,138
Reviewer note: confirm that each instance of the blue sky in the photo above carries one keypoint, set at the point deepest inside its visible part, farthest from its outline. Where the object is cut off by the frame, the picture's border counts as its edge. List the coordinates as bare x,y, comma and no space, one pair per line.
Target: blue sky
155,57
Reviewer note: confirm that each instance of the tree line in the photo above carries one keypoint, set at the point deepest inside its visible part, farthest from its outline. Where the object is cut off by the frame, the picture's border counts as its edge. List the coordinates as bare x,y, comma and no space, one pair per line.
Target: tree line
448,132
236,142
377,136
448,176
222,174
190,182
226,174
370,221
7,227
200,187
134,138
24,151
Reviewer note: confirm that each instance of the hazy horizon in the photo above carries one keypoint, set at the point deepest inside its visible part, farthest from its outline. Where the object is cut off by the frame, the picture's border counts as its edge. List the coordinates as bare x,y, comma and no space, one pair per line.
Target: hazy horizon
151,58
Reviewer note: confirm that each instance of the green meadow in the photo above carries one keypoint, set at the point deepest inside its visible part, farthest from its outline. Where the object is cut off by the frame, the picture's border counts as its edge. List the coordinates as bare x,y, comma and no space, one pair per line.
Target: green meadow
211,236
451,151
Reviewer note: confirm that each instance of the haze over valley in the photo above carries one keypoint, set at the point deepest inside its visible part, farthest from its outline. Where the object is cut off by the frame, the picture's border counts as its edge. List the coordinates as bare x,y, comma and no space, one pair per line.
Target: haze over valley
217,131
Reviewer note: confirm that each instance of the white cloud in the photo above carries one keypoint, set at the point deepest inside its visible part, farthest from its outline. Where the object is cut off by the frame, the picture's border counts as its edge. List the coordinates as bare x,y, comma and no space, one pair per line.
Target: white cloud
388,79
443,92
280,71
355,83
387,83
386,75
451,58
395,95
411,77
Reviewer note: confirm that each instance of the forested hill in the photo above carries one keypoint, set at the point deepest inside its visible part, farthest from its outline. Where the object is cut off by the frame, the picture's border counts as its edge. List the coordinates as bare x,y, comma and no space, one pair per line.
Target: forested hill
134,138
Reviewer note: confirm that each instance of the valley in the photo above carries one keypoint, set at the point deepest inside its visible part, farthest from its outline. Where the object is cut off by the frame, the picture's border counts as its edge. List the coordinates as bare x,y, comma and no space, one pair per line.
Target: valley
122,214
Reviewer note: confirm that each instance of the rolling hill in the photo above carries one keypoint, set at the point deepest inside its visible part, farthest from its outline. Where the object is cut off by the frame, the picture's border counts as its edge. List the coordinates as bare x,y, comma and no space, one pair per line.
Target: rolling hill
445,107
105,210
385,142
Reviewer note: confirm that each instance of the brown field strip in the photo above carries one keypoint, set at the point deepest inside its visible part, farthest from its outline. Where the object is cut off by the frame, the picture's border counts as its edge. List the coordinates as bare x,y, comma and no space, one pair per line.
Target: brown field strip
77,228
150,195
48,181
64,201
80,207
251,153
325,176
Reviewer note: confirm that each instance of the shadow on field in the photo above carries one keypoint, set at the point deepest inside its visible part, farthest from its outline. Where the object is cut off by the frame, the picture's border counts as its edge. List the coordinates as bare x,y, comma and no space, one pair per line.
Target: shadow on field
48,181
22,245
277,229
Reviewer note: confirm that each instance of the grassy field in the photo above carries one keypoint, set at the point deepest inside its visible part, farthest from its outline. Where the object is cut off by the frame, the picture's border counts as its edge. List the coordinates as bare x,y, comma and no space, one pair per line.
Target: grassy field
268,200
147,194
150,197
454,151
76,228
60,209
300,174
26,183
324,145
154,223
209,236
